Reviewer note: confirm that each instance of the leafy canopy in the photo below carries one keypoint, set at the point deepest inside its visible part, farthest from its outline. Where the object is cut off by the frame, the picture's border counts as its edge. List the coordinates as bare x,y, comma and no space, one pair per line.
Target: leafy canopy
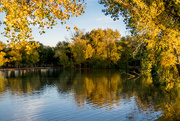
21,15
81,49
157,24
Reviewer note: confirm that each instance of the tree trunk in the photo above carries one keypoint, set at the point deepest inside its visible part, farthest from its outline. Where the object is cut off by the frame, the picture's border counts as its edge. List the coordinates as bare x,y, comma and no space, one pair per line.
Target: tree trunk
108,58
178,67
178,59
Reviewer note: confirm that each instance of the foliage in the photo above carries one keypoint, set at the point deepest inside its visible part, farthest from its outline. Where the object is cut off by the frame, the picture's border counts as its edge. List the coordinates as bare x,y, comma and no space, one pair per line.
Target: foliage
2,59
129,58
23,52
14,54
63,52
46,55
105,48
21,15
2,53
96,49
155,23
81,50
32,58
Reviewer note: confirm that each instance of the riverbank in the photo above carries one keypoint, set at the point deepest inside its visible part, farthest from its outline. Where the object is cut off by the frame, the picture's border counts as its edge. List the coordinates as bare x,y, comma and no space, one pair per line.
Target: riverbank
30,68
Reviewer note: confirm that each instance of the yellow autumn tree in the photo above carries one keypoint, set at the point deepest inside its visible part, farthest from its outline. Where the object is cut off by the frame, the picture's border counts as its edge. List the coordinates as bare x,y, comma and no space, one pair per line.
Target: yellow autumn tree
29,52
103,42
111,48
2,59
2,54
96,37
21,15
81,49
23,51
157,24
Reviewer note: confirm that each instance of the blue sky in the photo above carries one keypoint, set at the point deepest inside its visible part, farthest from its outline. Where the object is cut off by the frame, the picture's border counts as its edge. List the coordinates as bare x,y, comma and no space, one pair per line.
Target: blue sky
93,18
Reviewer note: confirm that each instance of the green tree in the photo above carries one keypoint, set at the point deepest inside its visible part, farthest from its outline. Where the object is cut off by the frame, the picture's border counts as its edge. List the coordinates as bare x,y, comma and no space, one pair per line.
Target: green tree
63,52
46,55
130,54
31,58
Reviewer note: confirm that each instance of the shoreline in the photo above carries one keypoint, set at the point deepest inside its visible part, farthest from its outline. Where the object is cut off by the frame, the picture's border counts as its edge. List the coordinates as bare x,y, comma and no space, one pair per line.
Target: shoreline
29,68
32,68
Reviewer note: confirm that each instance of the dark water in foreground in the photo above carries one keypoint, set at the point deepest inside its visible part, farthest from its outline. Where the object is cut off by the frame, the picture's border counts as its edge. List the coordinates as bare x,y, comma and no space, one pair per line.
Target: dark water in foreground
87,95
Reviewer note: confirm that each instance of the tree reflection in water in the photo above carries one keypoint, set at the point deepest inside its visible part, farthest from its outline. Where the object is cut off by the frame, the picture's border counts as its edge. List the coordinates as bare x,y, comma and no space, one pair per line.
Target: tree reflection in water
96,88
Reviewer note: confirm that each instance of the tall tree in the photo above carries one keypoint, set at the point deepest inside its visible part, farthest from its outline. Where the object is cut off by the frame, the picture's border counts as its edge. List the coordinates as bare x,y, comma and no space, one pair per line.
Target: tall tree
46,55
63,52
128,45
111,48
156,23
81,49
103,42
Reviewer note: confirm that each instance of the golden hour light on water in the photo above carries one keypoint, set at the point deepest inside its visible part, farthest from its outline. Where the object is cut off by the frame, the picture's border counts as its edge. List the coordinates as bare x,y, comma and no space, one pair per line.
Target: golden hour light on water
120,60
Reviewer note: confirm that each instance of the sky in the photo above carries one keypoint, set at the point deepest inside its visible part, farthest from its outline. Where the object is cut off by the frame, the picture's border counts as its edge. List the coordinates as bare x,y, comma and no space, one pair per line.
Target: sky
93,18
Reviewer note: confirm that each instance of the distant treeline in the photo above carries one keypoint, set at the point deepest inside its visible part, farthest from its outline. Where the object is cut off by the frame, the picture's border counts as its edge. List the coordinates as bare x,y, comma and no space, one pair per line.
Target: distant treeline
96,49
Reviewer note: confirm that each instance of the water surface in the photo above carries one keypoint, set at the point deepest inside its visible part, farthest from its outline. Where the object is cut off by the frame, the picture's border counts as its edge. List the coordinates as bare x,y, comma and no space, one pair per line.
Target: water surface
86,95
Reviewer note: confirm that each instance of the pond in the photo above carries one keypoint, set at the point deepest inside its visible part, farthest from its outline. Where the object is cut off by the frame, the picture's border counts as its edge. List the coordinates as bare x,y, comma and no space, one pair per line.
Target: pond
86,95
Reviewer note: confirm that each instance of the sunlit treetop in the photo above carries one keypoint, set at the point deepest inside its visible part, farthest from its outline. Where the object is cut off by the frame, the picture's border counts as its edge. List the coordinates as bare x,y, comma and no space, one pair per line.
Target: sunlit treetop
21,15
144,13
156,22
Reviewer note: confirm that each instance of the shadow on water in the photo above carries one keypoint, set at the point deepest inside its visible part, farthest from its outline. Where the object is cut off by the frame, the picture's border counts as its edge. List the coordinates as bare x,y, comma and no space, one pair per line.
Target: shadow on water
96,89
